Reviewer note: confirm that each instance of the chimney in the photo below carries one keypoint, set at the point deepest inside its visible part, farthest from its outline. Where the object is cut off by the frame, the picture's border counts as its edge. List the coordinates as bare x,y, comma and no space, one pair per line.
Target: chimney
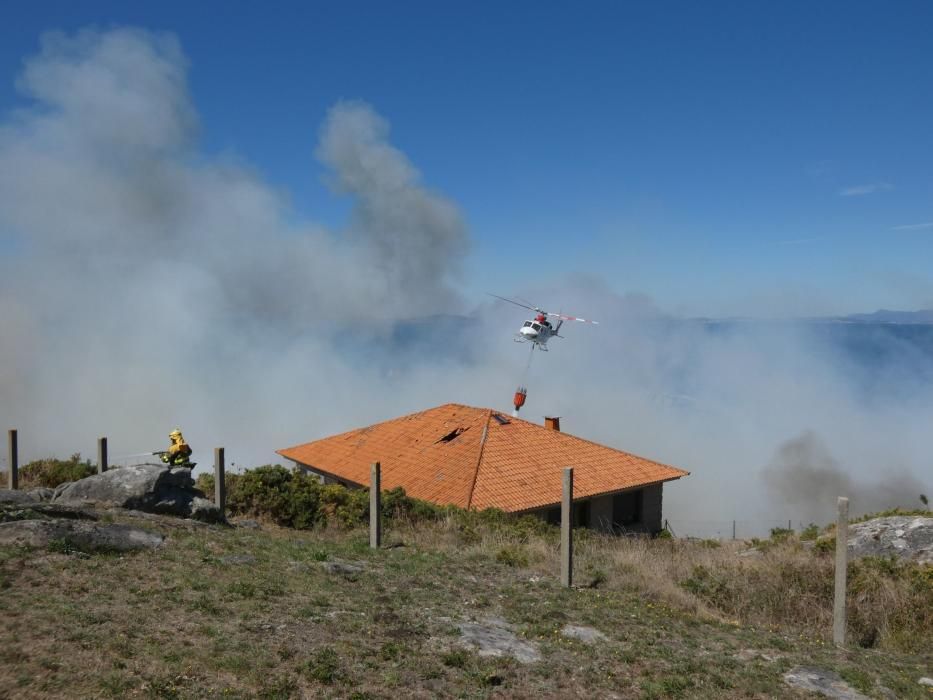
552,423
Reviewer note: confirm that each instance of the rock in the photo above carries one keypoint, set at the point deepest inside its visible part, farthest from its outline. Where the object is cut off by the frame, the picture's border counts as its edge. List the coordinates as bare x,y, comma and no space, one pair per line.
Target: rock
146,487
904,536
83,536
238,559
825,683
18,497
928,682
494,637
43,511
588,635
885,693
351,572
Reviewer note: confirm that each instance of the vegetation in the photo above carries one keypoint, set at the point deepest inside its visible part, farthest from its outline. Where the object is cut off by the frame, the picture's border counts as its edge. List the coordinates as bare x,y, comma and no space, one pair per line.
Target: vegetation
291,498
241,613
51,472
892,512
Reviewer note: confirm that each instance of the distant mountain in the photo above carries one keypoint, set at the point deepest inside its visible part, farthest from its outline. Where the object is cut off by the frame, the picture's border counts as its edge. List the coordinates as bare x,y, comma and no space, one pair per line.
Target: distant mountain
886,316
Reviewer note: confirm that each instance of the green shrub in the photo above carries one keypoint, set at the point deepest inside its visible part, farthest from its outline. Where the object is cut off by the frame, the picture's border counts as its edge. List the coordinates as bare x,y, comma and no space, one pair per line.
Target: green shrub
397,505
205,483
52,472
890,602
288,498
511,555
809,533
324,666
780,534
347,507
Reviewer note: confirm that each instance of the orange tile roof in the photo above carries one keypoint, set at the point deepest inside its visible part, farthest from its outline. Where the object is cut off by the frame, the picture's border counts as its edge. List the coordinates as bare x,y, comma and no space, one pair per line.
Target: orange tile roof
484,463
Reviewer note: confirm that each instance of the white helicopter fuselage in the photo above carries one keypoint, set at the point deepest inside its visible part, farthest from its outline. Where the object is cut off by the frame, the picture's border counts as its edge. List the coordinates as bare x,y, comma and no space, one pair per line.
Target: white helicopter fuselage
539,330
536,332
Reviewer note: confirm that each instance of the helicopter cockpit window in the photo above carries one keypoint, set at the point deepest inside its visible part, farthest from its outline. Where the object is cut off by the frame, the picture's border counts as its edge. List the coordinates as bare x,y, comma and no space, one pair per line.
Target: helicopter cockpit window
526,324
536,326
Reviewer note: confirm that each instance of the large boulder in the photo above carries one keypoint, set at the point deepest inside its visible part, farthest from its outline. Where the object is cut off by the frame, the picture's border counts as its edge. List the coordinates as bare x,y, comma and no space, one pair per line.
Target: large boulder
37,495
147,487
904,536
80,535
18,497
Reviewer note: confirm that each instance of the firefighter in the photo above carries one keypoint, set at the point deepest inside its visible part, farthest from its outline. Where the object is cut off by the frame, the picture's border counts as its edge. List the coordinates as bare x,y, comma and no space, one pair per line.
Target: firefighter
178,452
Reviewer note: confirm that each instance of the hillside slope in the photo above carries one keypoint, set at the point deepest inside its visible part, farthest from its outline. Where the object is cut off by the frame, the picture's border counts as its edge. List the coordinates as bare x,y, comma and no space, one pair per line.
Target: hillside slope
220,612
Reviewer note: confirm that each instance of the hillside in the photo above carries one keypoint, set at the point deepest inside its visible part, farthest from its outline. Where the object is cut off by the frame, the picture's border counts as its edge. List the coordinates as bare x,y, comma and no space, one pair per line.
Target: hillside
218,612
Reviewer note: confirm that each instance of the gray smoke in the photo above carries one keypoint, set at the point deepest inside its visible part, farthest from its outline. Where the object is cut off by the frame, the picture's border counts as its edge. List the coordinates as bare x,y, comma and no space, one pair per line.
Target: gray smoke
411,237
808,479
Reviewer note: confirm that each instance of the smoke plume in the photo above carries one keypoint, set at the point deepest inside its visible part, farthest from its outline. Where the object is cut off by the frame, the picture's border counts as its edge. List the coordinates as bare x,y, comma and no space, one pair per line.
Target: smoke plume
808,479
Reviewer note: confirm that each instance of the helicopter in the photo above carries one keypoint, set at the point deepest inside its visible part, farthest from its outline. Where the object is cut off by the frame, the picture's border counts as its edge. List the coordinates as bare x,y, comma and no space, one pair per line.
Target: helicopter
539,330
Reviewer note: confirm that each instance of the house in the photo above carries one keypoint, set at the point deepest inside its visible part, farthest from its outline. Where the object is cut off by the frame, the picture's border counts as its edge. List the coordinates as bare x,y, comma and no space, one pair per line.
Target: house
480,458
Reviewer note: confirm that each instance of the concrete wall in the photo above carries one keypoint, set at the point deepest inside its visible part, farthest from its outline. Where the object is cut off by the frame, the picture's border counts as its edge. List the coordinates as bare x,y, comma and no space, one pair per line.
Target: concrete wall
603,511
651,517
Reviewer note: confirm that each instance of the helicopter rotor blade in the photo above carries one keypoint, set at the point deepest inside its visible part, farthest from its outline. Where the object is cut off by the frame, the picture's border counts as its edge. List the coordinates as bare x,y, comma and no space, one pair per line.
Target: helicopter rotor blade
530,305
512,301
573,318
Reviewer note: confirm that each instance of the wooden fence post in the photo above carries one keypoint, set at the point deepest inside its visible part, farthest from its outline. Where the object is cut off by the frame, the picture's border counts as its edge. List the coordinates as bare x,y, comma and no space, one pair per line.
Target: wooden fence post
566,530
220,488
101,455
375,506
839,602
13,461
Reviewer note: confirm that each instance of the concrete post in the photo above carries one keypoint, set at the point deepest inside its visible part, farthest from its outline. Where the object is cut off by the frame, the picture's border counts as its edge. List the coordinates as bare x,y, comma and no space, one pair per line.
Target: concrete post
220,488
13,460
839,602
375,506
101,455
566,530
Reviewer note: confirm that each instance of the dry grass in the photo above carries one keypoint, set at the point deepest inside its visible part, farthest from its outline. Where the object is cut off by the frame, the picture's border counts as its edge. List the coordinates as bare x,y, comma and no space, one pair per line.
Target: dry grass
188,621
781,584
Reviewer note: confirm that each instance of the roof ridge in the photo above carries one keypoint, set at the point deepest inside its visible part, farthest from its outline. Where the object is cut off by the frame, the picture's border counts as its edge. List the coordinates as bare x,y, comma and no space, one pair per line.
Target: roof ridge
479,458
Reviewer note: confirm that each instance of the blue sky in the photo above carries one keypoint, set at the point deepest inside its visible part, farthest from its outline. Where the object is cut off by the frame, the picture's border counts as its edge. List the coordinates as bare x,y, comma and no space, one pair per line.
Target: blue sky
721,158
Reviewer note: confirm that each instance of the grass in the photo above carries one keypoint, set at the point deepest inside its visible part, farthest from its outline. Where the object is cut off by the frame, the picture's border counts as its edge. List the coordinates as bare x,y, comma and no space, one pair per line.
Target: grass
683,620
